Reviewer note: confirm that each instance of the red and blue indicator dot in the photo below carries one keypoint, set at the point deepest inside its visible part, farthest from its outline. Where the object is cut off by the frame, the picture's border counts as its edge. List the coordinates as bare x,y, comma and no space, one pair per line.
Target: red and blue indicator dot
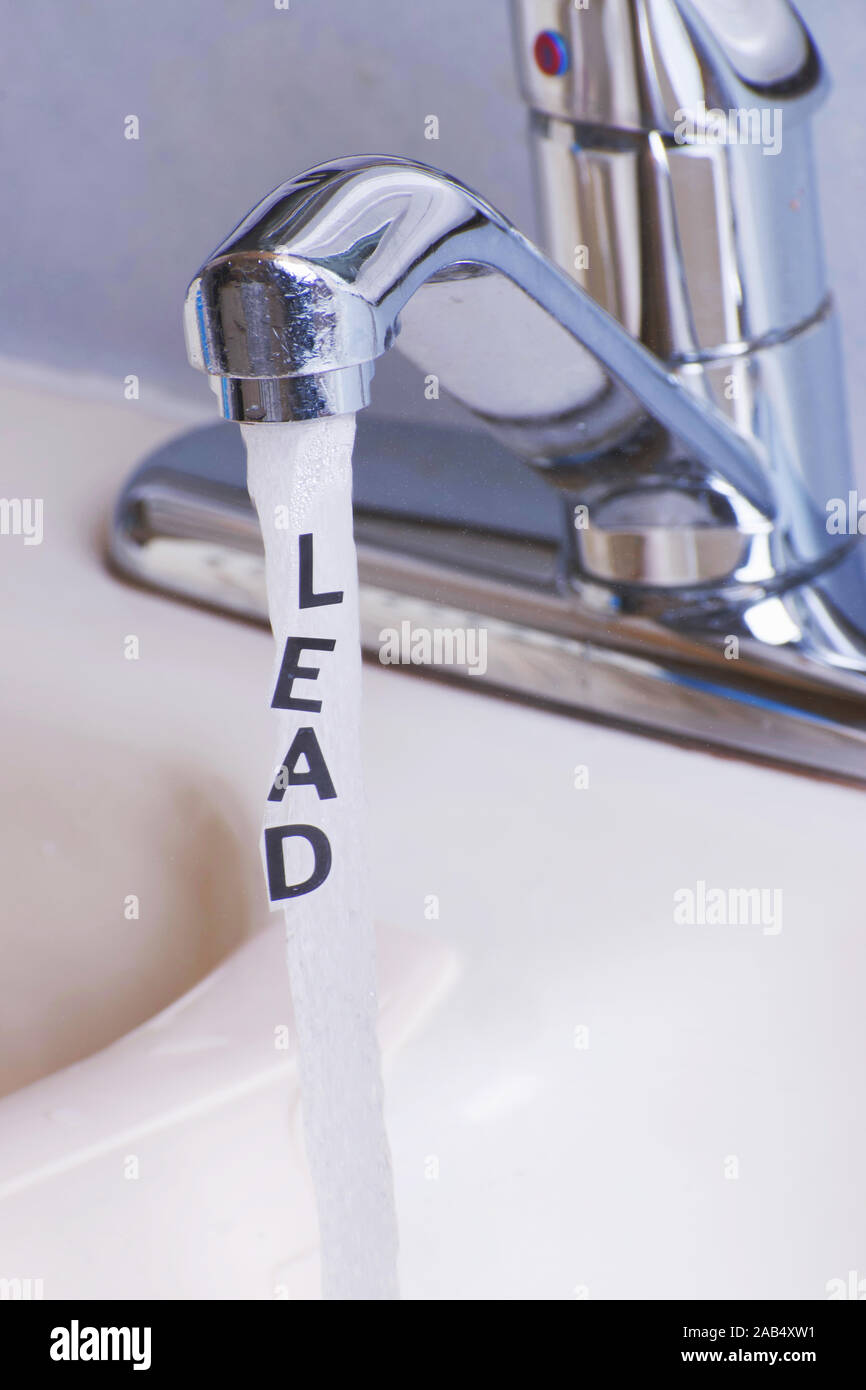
551,53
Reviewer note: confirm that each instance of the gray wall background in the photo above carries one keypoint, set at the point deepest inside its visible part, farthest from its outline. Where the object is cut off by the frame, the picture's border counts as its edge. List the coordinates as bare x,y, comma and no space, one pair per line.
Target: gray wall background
100,234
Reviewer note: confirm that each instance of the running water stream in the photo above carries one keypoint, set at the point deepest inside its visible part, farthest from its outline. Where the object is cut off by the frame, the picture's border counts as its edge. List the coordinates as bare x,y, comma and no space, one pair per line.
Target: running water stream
300,479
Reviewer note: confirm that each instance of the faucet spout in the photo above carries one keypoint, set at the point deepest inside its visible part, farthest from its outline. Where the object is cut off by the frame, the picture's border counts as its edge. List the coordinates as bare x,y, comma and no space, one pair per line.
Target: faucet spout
289,314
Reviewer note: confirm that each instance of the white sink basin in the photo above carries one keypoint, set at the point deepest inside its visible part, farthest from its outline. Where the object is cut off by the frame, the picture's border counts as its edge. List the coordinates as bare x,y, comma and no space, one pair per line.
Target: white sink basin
125,880
586,1098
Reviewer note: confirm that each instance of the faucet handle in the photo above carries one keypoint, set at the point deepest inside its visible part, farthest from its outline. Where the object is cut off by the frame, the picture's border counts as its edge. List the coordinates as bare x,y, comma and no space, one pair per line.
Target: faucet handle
634,65
672,148
765,41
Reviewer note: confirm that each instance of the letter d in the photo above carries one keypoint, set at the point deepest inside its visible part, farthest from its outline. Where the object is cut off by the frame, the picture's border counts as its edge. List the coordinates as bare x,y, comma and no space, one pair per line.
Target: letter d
275,862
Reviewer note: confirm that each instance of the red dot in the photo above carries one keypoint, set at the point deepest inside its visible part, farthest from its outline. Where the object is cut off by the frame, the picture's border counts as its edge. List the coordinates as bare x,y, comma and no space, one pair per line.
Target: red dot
551,53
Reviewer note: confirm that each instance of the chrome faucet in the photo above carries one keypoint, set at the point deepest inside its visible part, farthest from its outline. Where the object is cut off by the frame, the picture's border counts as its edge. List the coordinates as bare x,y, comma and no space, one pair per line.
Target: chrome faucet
671,368
289,315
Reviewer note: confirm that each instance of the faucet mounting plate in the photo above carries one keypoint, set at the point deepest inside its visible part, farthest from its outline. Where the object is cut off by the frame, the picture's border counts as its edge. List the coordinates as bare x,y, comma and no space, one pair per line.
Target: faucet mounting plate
452,548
